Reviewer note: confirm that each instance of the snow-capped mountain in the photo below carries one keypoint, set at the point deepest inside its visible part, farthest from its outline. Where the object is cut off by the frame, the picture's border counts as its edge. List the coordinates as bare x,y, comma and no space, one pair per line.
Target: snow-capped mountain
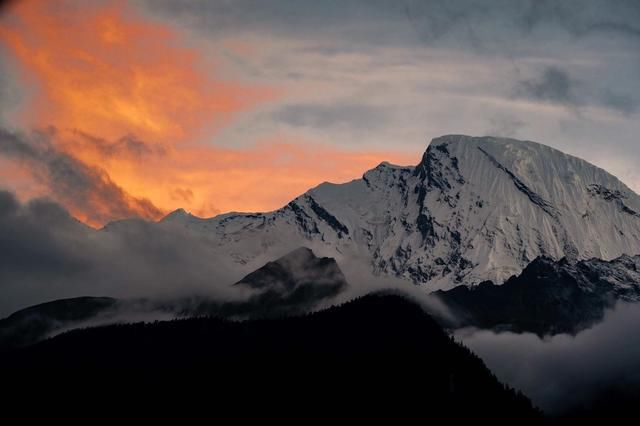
473,209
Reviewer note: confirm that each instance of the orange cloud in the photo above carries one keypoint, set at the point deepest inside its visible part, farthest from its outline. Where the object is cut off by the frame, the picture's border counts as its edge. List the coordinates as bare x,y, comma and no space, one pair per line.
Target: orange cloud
129,101
102,69
266,176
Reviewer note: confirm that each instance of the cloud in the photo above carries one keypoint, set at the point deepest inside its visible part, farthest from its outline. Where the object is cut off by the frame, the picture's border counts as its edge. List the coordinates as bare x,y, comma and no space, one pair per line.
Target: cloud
504,126
87,191
356,117
621,102
291,91
203,179
562,372
558,86
480,23
475,23
585,18
553,85
278,16
126,146
46,254
102,68
432,19
9,95
140,112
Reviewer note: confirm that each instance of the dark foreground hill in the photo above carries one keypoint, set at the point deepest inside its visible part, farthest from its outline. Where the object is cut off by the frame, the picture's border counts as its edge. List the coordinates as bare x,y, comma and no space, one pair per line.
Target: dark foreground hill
29,325
376,348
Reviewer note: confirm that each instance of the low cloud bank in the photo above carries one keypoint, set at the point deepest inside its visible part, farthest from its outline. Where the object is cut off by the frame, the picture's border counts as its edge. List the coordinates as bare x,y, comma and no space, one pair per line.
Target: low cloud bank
46,254
563,372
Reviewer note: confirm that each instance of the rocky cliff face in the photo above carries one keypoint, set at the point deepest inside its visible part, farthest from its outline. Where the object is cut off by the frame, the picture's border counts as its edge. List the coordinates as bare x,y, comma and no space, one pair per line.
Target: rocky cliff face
548,297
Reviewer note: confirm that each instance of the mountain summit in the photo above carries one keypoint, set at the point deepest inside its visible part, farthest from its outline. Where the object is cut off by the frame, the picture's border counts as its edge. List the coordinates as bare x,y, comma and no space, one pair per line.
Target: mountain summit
473,209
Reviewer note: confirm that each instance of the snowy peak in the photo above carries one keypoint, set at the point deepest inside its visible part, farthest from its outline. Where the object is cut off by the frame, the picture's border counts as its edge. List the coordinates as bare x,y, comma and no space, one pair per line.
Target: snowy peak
176,215
543,174
473,209
524,200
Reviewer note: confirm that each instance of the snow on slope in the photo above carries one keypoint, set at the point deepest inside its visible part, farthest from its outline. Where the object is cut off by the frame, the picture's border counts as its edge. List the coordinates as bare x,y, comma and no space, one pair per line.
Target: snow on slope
474,208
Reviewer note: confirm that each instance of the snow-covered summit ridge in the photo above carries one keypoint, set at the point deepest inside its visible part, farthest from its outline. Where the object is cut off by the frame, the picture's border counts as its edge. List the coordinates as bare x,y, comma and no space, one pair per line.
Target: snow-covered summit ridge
474,208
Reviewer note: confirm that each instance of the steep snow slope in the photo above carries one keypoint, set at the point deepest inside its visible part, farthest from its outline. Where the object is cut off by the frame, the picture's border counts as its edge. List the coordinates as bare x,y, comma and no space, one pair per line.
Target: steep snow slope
474,208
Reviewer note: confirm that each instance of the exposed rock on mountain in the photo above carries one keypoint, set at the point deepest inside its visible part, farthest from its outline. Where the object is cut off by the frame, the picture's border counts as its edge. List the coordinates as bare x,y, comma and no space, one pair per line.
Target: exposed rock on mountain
548,297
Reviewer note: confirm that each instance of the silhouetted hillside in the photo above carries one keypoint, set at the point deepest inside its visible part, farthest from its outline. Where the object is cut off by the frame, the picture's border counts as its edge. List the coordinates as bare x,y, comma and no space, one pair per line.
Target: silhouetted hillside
376,346
29,325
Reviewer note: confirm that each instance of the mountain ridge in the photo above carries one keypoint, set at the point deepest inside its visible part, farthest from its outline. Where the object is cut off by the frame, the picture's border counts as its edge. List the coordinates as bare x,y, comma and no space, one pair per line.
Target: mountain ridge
548,297
474,208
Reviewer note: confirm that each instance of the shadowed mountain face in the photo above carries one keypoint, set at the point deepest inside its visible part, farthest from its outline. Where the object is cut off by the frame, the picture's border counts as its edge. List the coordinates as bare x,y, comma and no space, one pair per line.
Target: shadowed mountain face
371,346
548,297
298,275
36,322
293,284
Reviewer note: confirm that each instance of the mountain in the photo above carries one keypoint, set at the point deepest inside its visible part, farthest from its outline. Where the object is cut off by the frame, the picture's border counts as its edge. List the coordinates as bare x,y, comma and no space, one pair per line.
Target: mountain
298,272
295,283
474,209
376,347
32,324
549,296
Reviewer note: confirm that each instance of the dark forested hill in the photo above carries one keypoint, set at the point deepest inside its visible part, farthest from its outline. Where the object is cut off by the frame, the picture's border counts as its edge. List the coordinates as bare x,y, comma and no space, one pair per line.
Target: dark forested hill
29,325
379,346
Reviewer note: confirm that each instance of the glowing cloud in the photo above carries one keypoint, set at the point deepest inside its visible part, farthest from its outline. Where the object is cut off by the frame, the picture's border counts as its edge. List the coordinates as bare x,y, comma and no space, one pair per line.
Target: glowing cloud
129,100
102,69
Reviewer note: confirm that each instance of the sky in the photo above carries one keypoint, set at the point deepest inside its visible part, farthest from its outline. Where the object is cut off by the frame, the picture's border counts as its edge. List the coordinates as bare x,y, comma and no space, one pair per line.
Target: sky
116,108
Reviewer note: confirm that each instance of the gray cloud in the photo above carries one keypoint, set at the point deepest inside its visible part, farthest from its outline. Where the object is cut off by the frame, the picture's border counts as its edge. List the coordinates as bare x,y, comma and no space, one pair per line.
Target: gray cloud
504,126
474,22
618,101
495,24
276,16
128,144
556,85
563,371
553,85
9,95
83,188
582,18
356,117
46,254
26,241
